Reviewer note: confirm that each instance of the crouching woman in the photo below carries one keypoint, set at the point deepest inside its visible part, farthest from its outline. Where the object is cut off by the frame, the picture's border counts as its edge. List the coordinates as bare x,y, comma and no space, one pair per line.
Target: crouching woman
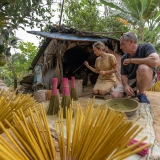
106,66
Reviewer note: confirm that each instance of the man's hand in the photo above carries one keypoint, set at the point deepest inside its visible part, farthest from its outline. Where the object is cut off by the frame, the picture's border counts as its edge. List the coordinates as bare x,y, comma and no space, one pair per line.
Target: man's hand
129,91
127,61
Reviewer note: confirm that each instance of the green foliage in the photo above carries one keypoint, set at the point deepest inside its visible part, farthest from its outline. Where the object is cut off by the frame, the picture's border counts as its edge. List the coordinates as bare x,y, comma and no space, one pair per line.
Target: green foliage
88,15
7,39
83,15
16,14
2,60
28,50
1,48
153,38
140,13
23,13
6,75
113,25
21,62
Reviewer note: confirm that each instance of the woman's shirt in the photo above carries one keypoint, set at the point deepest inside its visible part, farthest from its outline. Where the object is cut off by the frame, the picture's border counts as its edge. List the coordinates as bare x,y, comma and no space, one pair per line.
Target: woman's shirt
105,64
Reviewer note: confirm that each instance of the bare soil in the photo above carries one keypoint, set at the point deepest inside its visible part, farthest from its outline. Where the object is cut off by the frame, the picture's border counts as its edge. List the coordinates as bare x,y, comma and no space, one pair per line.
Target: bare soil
154,98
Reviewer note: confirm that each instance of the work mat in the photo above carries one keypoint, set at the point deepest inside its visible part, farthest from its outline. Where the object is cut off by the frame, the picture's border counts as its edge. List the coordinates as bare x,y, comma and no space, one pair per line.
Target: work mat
145,121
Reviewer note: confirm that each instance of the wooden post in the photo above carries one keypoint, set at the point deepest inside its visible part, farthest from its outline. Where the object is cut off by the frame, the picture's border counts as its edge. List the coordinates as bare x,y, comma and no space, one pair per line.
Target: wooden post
61,15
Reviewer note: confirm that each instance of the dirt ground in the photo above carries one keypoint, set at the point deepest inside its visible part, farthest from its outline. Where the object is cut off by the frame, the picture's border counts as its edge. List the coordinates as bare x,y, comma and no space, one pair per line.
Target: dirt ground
154,98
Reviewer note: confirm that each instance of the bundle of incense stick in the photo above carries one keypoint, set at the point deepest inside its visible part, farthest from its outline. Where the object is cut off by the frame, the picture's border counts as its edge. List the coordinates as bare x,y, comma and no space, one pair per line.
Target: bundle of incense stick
100,133
31,138
144,151
11,102
97,134
66,99
74,95
156,87
54,100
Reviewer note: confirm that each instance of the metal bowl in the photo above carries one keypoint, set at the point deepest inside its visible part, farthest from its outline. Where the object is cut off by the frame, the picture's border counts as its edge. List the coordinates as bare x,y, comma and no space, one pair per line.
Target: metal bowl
128,106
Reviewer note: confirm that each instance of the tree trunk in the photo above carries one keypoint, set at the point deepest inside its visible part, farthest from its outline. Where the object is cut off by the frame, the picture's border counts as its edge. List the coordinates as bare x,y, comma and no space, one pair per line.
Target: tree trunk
60,66
12,69
106,11
141,31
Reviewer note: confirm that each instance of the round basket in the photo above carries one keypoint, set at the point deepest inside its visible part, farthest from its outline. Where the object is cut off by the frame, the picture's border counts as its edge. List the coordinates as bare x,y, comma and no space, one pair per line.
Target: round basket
128,106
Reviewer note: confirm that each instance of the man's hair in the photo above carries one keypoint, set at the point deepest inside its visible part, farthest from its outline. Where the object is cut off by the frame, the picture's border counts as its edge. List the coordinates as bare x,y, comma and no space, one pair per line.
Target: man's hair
129,35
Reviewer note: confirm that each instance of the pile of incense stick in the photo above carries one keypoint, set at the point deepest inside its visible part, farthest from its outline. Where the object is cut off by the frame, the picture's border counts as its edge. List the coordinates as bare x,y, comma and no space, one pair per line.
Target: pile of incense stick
54,100
30,136
97,134
66,98
155,87
11,102
73,91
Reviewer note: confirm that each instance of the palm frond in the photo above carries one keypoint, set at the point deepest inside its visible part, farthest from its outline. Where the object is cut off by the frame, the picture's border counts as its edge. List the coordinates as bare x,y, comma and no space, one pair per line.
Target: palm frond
117,6
151,7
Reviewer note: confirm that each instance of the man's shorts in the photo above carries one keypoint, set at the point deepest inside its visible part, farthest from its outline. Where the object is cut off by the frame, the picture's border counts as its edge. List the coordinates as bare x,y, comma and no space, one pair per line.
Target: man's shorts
132,83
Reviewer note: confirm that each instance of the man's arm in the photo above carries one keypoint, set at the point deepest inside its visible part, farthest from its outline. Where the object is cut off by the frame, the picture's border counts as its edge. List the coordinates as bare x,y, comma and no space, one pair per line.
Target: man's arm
127,89
124,79
152,60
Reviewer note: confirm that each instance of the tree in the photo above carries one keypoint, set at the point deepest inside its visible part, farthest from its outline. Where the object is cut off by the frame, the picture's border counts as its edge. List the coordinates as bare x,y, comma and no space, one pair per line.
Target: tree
23,13
89,15
83,15
20,61
115,26
20,13
6,44
140,13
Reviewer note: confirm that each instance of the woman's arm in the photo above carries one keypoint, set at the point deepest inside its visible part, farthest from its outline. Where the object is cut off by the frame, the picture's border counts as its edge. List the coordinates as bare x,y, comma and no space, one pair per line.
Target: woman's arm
91,68
114,70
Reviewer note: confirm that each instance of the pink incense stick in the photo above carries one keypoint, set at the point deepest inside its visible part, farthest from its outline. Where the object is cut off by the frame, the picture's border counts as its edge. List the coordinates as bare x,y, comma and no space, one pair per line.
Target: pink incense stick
144,151
54,86
66,90
72,82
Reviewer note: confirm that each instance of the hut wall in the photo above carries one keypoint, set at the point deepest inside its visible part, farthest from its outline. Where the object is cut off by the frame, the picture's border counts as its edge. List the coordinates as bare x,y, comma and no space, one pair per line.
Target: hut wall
58,48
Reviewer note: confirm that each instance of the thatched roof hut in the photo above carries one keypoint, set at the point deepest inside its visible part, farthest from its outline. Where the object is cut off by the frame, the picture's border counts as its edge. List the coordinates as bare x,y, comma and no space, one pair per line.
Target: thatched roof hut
63,52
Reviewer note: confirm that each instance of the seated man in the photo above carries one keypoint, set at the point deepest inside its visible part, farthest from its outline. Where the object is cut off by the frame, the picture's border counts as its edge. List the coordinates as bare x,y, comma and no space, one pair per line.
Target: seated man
137,68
